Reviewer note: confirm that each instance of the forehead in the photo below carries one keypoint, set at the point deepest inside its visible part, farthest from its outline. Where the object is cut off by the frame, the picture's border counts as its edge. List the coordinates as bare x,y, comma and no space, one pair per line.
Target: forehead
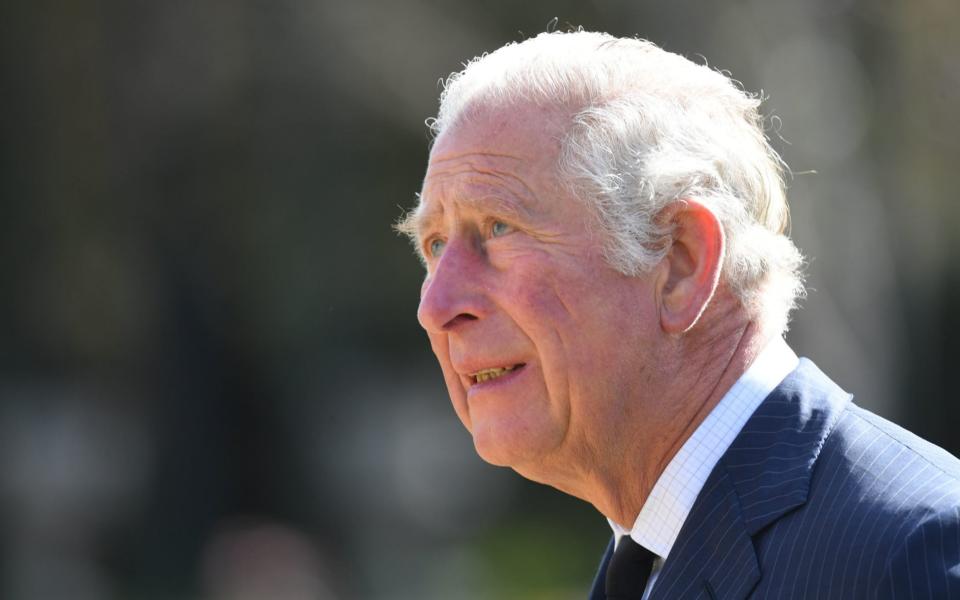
526,131
504,158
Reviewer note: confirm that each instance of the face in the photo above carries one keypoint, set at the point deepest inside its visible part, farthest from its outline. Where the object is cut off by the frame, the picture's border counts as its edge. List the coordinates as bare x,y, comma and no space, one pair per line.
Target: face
543,346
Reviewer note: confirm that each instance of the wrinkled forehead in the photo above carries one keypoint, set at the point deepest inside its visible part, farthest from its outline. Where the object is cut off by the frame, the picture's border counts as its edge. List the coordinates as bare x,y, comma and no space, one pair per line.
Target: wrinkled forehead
515,147
506,184
518,144
505,158
529,131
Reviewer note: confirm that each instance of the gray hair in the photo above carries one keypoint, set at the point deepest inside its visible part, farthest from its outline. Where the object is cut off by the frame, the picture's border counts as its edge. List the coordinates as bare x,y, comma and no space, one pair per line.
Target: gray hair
650,128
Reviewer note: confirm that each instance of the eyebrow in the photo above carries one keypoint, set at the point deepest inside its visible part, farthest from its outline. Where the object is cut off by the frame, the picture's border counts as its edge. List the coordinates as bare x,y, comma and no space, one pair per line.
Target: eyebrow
417,221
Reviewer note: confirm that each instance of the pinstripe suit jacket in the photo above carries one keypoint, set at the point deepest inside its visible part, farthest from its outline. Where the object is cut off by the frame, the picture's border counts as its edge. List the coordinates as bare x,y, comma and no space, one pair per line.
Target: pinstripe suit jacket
818,498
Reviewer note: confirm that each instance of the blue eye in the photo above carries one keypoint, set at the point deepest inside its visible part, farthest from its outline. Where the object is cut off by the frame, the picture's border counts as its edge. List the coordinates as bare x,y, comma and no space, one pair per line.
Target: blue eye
436,247
499,228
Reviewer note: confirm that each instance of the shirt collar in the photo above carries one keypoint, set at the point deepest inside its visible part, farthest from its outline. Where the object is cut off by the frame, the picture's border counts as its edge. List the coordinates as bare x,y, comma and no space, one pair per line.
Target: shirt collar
663,514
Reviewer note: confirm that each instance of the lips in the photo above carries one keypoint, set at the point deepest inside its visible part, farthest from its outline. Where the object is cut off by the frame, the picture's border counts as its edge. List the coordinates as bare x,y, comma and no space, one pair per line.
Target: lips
492,373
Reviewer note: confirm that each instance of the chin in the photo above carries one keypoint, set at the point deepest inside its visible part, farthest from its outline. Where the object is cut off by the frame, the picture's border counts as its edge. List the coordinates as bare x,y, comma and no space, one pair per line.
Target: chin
508,446
493,456
490,448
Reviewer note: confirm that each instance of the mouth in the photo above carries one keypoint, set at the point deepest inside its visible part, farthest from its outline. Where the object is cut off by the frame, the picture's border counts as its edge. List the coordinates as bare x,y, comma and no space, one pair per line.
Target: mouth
494,373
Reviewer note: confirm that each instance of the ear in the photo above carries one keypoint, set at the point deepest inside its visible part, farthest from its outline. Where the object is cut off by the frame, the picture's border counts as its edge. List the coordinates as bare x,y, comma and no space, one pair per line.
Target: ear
691,269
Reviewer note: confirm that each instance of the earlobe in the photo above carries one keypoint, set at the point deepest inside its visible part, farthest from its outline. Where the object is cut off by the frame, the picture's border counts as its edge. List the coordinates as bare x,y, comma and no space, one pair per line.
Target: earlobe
692,265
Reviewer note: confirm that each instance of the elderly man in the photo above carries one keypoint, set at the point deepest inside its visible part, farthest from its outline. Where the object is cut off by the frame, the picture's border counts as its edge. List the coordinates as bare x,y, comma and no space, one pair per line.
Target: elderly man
608,280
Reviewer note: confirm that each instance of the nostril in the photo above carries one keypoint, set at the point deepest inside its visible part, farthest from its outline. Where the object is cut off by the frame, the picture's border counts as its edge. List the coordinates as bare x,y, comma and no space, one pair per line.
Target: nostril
459,320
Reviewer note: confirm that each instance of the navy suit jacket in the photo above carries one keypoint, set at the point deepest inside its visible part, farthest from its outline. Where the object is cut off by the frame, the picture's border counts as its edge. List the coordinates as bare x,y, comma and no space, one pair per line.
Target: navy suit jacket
818,498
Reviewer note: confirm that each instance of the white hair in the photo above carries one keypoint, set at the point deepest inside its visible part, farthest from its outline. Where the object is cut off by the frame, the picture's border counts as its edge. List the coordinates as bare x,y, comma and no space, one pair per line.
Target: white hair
650,128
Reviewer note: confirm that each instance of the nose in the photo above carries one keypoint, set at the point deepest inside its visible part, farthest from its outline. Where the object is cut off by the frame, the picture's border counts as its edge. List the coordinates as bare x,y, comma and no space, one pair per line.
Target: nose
453,294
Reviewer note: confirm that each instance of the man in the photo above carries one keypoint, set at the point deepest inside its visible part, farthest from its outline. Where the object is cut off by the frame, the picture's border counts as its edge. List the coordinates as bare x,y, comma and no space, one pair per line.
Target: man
608,280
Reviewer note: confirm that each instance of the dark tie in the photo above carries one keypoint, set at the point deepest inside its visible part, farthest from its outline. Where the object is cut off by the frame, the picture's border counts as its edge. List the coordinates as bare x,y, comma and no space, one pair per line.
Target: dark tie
628,570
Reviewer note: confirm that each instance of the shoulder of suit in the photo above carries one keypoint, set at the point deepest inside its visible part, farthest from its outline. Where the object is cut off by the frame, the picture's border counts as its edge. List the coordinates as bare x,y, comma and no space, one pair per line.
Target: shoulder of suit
936,456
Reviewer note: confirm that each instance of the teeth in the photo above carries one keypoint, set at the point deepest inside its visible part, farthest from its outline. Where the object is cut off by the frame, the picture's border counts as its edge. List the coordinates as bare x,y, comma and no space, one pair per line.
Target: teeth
488,374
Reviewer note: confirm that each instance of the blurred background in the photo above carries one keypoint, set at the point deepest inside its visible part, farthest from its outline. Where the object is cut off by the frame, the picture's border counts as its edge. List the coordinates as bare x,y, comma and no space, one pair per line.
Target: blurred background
212,382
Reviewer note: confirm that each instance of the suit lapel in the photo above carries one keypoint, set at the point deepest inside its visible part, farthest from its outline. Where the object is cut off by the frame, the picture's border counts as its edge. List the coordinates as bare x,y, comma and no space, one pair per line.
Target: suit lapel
763,475
714,556
771,462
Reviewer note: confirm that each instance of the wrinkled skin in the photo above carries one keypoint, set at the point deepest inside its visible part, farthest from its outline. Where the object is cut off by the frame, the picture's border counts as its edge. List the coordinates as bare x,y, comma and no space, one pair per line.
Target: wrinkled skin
516,278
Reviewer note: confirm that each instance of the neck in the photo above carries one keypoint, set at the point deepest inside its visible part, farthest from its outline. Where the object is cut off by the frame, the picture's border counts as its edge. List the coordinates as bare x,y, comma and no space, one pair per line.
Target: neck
701,366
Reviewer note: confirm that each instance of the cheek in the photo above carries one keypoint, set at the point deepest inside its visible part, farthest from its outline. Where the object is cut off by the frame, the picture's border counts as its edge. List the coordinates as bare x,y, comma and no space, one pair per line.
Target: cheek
538,285
553,300
458,396
580,321
549,320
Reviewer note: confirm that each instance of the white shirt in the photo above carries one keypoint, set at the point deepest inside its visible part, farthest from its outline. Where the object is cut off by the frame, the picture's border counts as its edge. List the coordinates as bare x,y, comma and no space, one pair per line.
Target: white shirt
663,514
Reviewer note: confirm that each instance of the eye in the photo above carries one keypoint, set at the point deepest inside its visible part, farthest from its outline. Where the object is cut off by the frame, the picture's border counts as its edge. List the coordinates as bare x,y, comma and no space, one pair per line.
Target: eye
436,246
498,228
